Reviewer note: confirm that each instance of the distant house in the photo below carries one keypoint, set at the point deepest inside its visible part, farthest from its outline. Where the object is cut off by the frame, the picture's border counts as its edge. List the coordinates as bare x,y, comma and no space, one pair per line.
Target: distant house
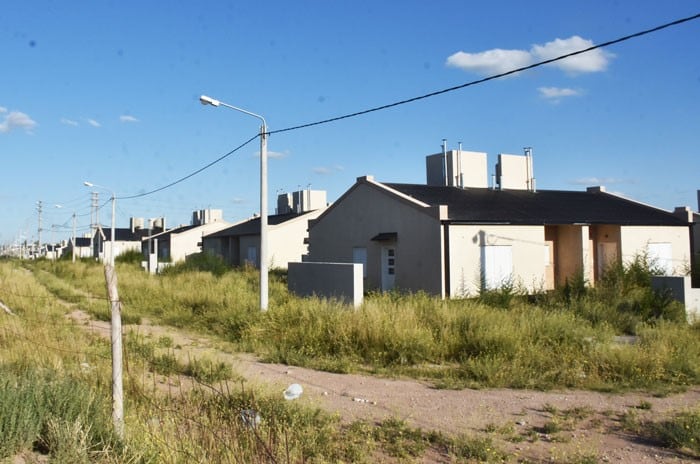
239,245
54,251
82,247
174,245
125,239
456,235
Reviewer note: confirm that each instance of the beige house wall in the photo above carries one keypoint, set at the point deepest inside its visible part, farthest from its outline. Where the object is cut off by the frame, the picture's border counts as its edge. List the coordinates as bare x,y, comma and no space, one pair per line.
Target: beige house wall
367,210
528,255
120,247
286,240
188,242
634,240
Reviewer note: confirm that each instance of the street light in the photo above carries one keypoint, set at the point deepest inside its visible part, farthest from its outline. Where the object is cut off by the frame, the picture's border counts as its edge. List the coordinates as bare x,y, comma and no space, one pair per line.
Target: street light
116,328
205,100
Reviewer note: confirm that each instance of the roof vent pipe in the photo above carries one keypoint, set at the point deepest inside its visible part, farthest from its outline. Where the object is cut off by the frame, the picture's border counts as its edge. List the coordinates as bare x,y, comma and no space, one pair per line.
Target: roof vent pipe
530,181
444,159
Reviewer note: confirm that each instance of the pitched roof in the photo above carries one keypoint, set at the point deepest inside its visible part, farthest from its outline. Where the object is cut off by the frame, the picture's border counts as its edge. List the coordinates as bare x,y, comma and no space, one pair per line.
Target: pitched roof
82,241
483,205
252,226
124,234
169,232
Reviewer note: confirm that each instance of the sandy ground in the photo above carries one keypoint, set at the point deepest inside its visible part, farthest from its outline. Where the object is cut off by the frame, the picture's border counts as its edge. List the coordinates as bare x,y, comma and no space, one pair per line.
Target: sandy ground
512,418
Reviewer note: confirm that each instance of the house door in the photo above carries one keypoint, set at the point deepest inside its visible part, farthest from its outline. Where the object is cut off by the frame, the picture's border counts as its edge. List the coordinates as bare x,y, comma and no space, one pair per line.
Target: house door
388,268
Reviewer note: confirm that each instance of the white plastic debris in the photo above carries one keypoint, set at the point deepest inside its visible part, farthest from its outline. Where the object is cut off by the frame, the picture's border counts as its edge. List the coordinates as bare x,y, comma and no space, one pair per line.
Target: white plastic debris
293,392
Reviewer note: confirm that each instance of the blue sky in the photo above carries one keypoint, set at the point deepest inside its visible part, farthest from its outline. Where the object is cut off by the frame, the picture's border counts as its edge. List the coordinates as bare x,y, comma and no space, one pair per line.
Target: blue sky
107,91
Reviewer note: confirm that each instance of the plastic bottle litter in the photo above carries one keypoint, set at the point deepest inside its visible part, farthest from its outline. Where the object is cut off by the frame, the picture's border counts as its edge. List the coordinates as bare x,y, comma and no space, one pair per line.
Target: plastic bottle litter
293,392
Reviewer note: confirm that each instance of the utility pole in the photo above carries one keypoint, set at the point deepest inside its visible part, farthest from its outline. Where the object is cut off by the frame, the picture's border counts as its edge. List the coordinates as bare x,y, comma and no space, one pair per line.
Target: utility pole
93,220
38,207
73,247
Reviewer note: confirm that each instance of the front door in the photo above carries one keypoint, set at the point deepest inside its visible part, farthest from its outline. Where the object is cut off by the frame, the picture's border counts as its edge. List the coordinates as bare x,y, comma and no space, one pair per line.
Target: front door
388,267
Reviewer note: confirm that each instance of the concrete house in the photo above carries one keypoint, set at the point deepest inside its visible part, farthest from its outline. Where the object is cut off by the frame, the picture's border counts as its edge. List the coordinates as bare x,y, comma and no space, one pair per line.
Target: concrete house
239,245
456,235
82,247
174,245
125,239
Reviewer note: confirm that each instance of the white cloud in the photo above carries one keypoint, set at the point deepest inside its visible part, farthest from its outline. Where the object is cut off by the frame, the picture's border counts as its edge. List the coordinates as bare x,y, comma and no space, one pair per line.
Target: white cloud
69,122
94,123
3,109
592,61
325,170
127,118
494,61
555,94
497,61
16,120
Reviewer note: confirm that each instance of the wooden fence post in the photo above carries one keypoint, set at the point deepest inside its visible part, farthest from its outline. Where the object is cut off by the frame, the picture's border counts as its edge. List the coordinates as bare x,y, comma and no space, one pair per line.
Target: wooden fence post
116,336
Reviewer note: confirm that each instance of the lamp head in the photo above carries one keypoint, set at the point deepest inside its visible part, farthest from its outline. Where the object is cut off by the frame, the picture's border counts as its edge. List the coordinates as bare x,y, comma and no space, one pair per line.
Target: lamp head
88,184
204,100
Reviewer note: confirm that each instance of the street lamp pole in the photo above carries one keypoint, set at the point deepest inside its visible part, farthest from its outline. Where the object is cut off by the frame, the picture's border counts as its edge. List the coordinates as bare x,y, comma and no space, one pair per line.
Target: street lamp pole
205,100
116,328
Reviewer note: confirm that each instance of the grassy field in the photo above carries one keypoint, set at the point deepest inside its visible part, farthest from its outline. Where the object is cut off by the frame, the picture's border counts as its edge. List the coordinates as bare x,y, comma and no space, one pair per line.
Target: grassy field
54,378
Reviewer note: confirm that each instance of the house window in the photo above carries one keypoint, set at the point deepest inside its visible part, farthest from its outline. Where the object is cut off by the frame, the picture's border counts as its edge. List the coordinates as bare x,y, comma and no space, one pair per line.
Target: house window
659,258
497,265
252,258
359,255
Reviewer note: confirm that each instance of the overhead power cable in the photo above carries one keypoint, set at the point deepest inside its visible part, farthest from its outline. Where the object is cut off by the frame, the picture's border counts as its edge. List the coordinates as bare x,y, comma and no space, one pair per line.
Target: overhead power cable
422,97
490,78
182,179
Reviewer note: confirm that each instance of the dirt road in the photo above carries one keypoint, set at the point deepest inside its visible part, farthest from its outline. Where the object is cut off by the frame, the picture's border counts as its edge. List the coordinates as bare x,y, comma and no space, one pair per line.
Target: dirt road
587,425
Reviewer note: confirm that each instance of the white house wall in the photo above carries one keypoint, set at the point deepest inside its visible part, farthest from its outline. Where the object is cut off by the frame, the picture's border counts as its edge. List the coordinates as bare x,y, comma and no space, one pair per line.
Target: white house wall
466,241
634,240
367,210
286,240
186,243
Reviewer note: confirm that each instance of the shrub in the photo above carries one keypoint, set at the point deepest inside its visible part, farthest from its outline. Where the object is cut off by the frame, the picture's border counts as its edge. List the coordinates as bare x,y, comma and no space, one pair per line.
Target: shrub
205,262
37,407
130,257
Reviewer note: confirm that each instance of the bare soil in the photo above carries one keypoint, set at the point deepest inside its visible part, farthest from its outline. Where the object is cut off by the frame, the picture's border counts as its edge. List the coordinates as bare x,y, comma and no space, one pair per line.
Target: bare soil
590,428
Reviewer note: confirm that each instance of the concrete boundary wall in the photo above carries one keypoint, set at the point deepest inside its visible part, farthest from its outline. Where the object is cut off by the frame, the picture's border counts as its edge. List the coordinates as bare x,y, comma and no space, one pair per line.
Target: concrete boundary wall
682,291
342,281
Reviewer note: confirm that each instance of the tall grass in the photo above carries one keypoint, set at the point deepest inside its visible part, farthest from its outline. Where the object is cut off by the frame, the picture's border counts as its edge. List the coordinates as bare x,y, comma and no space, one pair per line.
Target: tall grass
56,413
55,390
564,339
54,378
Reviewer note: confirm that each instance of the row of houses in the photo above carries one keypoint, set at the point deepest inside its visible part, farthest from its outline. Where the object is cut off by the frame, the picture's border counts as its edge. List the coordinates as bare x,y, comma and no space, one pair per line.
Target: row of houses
237,243
452,236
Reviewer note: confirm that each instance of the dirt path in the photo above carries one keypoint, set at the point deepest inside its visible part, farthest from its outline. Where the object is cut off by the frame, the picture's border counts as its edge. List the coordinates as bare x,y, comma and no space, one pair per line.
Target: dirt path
515,419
